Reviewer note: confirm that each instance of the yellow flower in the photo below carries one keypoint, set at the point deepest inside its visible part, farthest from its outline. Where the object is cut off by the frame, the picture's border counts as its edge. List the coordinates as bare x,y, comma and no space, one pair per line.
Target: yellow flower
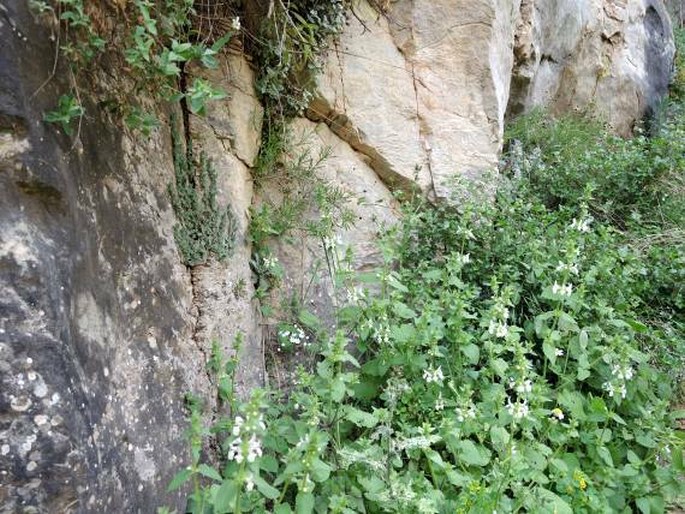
579,477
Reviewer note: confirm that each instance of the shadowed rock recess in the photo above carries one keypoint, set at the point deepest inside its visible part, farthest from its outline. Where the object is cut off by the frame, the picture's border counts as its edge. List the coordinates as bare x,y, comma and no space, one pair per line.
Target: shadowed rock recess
103,329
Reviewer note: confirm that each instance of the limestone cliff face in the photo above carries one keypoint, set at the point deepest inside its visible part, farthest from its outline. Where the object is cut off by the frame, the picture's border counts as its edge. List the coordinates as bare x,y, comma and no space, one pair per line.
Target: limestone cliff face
102,329
609,56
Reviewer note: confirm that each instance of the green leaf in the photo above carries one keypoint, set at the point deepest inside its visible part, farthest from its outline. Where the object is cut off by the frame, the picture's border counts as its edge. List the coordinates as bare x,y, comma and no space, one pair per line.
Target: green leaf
605,455
644,505
282,508
499,366
320,471
209,472
396,284
550,351
360,417
472,454
338,389
472,353
559,465
263,487
304,503
559,506
225,497
567,323
309,320
179,479
583,339
269,463
402,311
499,437
221,42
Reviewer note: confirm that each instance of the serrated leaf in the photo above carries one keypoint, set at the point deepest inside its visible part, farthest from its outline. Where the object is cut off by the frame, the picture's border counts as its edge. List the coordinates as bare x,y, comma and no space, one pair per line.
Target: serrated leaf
550,351
559,465
304,503
583,339
263,487
309,320
559,506
269,463
282,508
472,353
567,323
209,472
499,366
225,497
320,471
402,311
179,479
605,455
360,417
644,505
499,437
472,454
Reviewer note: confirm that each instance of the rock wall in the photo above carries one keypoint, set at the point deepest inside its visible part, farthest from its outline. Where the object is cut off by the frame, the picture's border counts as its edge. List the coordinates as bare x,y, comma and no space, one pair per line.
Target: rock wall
103,330
611,57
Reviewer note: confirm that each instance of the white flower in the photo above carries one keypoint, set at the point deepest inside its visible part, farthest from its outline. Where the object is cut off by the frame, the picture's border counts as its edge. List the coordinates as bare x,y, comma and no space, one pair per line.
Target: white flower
235,24
498,329
609,388
354,295
236,426
524,387
561,267
558,352
621,372
235,451
563,289
519,409
270,262
254,448
433,375
623,391
439,403
463,258
581,225
464,413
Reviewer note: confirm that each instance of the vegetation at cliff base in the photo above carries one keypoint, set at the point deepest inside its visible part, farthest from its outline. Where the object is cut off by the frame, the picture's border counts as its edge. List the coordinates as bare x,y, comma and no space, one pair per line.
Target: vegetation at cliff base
522,353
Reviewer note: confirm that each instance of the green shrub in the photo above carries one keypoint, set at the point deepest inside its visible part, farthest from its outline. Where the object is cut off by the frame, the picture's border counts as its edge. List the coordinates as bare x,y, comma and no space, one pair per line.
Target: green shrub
501,367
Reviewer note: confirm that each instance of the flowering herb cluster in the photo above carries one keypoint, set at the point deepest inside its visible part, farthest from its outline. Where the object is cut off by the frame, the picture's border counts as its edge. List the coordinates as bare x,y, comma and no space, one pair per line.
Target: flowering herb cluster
510,356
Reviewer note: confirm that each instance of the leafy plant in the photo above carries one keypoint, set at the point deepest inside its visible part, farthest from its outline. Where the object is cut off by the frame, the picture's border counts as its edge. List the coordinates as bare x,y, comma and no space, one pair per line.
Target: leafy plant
204,230
68,108
513,356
